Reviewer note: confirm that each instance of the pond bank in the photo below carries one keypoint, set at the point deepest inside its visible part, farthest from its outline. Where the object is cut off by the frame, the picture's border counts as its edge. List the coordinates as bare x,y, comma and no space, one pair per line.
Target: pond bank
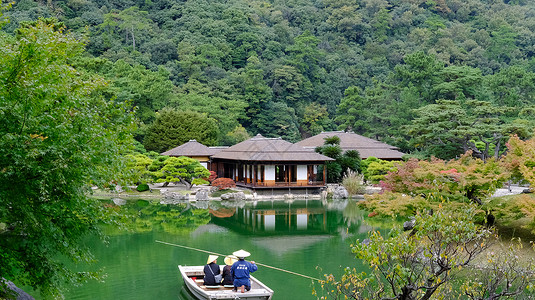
180,192
158,191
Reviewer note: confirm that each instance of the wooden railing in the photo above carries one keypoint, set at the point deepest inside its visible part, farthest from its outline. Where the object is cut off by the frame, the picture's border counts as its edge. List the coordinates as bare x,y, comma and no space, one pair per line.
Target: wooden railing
283,184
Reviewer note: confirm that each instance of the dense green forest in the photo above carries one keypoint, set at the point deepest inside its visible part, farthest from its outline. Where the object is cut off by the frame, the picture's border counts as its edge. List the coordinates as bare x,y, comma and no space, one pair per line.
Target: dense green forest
435,77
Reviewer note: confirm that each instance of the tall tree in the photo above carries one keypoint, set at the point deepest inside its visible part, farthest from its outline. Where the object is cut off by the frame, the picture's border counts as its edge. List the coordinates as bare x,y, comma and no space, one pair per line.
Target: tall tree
305,55
149,90
353,112
57,135
315,120
173,128
458,83
278,120
250,85
449,128
513,86
215,101
419,71
131,21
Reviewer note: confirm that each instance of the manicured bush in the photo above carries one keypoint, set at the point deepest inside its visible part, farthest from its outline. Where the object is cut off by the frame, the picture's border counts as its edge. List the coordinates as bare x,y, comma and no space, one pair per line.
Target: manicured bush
143,187
375,170
212,177
223,183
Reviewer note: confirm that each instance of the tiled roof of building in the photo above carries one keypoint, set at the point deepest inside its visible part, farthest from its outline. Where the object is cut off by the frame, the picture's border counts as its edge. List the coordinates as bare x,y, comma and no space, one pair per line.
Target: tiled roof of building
260,148
192,148
351,141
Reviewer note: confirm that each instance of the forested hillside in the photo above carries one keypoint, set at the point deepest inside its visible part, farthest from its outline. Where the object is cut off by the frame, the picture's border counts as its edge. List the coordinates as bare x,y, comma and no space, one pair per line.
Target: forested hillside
435,77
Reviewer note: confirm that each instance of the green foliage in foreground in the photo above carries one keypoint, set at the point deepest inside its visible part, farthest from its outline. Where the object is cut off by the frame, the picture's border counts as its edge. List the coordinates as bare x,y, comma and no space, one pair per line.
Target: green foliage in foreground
443,257
57,135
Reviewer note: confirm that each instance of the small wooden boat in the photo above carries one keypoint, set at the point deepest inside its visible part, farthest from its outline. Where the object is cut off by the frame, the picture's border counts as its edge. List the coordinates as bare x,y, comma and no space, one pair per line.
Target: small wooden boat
193,278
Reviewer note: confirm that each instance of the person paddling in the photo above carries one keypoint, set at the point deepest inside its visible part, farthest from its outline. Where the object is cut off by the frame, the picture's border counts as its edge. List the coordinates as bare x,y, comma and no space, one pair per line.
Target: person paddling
240,271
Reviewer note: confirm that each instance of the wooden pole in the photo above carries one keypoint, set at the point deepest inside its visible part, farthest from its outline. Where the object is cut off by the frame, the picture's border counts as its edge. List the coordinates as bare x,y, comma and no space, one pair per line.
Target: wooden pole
215,253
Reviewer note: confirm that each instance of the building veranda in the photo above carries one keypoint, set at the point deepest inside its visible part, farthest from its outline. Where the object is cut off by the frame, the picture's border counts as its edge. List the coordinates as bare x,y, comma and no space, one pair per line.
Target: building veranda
270,163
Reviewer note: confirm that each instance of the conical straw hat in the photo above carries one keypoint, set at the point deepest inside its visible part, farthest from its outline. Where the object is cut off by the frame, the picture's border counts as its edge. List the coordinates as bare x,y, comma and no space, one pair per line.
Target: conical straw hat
230,260
211,258
241,253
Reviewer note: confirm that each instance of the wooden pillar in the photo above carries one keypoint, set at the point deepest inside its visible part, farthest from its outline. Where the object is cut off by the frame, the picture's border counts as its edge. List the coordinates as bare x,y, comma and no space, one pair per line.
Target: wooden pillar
289,174
254,174
324,174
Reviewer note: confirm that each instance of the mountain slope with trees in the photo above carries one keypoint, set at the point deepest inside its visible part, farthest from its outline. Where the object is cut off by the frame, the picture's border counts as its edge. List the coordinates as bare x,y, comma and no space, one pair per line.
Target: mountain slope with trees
296,68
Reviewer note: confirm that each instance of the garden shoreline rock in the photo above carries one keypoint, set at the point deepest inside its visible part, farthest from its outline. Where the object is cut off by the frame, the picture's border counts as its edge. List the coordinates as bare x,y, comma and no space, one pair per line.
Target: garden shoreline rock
172,194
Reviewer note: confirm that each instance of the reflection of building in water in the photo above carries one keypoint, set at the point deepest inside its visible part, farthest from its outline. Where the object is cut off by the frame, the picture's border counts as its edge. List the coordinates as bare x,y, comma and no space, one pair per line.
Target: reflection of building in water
296,219
276,218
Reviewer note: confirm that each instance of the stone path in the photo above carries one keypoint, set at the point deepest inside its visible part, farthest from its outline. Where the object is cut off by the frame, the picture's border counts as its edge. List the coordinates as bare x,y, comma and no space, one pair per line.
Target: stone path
515,189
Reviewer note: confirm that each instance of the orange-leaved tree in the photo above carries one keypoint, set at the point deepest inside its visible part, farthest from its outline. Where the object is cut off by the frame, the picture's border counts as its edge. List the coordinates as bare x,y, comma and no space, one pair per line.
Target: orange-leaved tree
462,180
520,159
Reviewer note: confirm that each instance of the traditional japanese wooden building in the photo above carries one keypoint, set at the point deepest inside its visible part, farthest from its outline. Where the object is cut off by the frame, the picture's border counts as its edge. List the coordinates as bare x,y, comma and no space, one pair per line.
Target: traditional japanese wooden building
195,150
270,163
351,141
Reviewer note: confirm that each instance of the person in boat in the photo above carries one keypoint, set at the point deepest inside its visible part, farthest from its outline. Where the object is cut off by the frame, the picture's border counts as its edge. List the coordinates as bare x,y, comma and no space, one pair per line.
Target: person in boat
227,274
240,271
211,270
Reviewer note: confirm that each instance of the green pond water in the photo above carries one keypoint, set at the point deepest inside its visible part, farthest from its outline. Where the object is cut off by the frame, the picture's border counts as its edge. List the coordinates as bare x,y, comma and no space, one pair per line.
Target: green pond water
307,237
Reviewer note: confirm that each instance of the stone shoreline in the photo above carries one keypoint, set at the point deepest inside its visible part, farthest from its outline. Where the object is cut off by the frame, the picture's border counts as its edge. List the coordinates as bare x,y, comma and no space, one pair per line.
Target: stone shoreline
171,194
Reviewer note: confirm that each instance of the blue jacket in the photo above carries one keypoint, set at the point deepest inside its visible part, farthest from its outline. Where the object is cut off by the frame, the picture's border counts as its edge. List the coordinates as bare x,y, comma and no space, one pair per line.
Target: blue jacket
240,272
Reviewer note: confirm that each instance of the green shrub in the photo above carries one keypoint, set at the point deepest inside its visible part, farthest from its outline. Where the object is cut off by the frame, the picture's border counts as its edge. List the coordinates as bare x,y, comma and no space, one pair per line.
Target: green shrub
143,187
375,169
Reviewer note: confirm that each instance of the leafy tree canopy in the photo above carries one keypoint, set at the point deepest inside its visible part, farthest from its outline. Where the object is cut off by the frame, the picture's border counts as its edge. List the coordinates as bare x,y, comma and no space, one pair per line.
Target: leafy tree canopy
58,134
173,128
449,128
295,69
466,178
432,260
